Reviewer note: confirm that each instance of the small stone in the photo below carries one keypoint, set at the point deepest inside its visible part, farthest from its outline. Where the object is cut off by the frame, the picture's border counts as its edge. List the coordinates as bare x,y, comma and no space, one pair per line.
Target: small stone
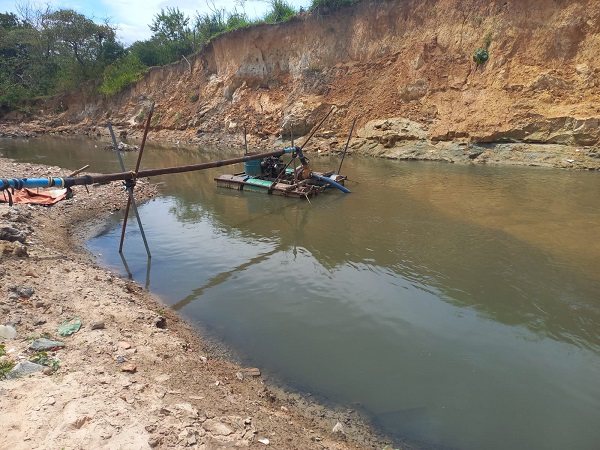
48,371
162,378
338,428
253,372
43,344
97,325
165,411
161,323
217,428
129,367
124,345
24,291
239,375
24,368
264,441
192,440
7,332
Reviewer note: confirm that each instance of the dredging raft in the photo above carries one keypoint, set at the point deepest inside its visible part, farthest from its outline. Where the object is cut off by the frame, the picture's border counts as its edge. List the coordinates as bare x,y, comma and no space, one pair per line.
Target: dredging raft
272,176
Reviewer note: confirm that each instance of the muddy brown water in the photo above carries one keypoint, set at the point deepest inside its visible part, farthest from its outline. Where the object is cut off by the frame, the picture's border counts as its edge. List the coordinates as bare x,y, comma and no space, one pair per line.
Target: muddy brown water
456,306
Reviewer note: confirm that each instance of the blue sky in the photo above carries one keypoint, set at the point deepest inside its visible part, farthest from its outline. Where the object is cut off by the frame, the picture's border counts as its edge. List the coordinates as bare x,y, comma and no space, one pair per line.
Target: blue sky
133,17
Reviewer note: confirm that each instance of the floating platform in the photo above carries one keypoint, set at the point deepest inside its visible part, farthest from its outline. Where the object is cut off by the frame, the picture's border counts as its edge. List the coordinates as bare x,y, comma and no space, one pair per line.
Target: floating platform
284,187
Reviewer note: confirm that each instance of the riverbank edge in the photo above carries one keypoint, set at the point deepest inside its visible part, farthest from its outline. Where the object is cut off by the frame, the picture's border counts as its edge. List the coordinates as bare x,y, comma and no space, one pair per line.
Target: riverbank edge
411,148
177,364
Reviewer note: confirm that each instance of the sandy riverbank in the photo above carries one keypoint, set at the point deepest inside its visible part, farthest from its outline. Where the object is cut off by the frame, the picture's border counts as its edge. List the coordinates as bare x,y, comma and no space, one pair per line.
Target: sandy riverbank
135,375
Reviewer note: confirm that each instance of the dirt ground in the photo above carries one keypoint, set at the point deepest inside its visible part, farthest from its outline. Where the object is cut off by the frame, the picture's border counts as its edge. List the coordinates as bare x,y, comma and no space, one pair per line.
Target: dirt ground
135,375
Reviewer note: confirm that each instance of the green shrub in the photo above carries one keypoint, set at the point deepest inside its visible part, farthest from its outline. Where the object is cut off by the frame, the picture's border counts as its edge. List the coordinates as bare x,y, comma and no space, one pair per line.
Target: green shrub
121,74
141,115
237,20
480,56
45,360
5,366
12,95
488,41
331,4
280,12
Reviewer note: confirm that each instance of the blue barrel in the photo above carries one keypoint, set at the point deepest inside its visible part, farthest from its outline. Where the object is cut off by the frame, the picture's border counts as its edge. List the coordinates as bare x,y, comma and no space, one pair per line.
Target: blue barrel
252,168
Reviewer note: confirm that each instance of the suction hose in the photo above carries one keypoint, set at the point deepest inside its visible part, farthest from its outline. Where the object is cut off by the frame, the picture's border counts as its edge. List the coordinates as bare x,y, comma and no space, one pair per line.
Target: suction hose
331,182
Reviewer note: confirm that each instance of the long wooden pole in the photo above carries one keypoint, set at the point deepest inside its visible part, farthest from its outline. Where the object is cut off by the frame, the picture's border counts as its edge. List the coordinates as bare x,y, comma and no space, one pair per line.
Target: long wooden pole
346,148
130,197
316,128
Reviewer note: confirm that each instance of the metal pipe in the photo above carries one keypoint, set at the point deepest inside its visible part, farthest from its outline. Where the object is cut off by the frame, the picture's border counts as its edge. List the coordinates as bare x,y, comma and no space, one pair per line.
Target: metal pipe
20,183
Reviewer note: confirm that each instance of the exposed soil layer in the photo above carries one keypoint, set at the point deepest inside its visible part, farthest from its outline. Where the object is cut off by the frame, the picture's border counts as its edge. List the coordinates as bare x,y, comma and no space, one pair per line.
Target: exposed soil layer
404,69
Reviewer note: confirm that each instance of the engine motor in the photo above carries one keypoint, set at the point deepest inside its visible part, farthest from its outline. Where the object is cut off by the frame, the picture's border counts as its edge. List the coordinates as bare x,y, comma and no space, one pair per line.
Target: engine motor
272,166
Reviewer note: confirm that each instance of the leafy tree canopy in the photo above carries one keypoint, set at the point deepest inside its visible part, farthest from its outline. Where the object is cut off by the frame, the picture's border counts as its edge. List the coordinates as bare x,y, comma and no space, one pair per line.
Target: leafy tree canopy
44,51
171,24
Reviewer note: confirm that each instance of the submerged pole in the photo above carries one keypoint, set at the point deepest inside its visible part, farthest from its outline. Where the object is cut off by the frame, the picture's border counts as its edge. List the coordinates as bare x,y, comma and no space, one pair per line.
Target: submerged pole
131,200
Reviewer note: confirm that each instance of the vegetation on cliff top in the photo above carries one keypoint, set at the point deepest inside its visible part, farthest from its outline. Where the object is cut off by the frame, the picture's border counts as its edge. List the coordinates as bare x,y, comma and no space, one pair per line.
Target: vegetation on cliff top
47,51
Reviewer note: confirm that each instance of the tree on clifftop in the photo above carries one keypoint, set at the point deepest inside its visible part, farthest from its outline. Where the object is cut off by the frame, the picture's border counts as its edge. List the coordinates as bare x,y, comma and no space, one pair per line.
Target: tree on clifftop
84,46
172,38
170,25
18,71
45,51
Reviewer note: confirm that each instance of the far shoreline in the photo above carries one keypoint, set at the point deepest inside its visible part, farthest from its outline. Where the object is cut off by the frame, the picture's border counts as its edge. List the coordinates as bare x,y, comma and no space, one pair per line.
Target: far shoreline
519,153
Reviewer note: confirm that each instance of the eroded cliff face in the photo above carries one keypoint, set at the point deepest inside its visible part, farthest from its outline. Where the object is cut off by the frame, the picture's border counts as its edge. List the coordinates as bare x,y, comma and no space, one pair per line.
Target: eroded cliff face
406,64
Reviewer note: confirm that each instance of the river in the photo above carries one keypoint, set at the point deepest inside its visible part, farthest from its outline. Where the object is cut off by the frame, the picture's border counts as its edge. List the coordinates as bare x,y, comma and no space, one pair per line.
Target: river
457,306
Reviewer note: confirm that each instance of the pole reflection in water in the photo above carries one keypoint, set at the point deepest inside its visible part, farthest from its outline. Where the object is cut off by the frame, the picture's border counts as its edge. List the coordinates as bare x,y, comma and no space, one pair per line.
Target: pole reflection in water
130,275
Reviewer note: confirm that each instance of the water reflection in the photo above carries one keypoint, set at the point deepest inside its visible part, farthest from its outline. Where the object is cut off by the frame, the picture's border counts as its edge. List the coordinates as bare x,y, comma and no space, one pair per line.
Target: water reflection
458,306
